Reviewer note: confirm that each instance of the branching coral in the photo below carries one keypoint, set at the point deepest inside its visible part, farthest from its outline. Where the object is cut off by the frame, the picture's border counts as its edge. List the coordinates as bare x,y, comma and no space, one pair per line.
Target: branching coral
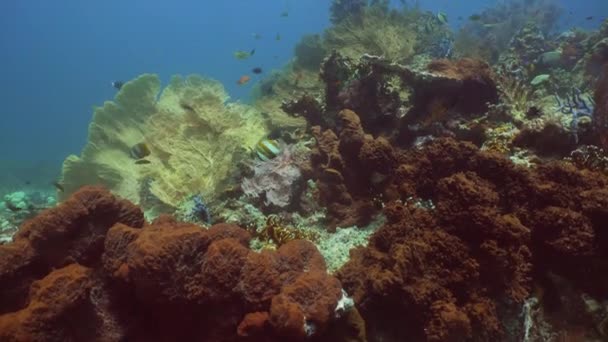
195,136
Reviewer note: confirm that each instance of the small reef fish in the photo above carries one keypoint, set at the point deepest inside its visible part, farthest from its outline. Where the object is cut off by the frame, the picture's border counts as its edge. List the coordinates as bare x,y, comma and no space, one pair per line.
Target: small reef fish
142,162
243,80
589,18
442,17
186,106
257,70
241,55
58,186
267,149
475,17
284,14
139,151
278,37
256,36
117,84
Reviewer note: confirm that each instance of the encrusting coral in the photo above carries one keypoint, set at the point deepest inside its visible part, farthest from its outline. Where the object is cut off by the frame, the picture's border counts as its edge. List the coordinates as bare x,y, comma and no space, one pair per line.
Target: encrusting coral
195,137
90,269
494,228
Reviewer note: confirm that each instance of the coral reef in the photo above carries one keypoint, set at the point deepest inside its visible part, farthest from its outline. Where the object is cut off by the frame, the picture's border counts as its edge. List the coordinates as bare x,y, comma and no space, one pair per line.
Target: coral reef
454,183
91,270
447,273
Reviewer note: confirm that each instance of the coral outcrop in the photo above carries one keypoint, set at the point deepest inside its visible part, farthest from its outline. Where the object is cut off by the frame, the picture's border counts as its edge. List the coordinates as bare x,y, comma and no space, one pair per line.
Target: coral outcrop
448,271
73,232
90,269
399,102
348,168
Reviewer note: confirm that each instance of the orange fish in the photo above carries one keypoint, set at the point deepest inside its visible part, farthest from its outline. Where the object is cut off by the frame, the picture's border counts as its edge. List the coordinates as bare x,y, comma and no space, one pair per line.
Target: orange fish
244,79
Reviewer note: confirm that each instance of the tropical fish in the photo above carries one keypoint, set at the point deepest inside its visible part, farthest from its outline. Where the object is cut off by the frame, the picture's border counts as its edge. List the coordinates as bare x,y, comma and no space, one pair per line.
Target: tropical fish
475,17
589,18
139,151
142,162
267,149
442,17
256,36
117,84
550,58
284,14
240,55
186,106
243,80
277,37
58,186
257,70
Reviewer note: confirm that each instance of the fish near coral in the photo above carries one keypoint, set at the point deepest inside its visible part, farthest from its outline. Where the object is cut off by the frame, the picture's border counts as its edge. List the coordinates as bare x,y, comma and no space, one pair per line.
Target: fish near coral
199,210
267,149
58,186
139,151
117,84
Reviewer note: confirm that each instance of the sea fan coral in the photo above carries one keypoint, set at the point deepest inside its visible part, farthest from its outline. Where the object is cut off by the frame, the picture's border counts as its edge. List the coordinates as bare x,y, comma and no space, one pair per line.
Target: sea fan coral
375,31
276,180
195,137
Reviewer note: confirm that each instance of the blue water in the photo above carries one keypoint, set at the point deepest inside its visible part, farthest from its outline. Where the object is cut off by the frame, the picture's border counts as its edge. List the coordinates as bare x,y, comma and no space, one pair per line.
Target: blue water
58,57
